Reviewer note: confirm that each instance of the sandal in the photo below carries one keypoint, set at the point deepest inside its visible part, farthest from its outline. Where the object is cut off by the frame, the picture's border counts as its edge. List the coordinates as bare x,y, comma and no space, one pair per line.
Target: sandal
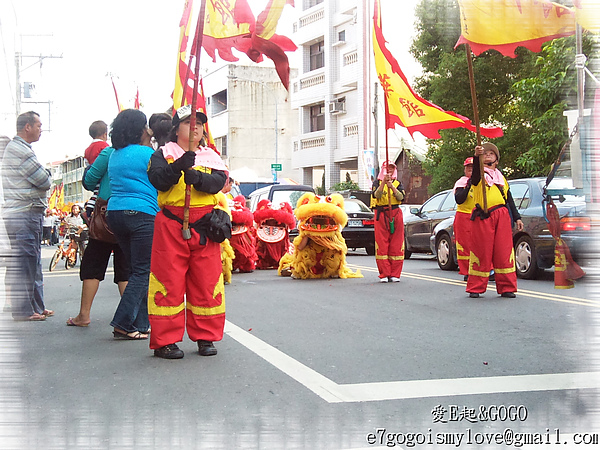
133,336
48,313
72,323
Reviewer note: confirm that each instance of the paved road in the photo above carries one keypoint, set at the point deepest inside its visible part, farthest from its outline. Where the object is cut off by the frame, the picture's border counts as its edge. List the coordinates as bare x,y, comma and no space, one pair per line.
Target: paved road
312,364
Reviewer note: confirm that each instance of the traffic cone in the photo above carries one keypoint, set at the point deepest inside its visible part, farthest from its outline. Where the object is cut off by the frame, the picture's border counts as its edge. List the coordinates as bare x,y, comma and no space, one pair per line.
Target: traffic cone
565,269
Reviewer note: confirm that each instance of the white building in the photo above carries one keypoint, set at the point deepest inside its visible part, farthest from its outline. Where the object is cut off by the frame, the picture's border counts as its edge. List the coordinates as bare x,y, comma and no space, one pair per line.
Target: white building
251,121
334,94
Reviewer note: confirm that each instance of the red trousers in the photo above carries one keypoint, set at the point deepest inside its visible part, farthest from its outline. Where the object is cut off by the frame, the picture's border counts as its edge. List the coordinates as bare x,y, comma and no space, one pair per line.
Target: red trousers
184,268
389,247
462,234
492,247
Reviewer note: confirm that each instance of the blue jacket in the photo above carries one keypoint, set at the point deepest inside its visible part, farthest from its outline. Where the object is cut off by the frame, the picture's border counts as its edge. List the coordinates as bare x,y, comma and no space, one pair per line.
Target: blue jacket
131,189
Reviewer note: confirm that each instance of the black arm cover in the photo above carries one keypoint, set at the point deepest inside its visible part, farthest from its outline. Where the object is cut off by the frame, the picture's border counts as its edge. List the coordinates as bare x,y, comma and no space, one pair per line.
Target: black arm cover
161,173
462,194
510,202
476,175
210,183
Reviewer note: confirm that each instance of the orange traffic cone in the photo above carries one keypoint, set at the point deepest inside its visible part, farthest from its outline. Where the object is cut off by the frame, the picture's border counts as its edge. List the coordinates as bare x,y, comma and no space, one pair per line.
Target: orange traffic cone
565,269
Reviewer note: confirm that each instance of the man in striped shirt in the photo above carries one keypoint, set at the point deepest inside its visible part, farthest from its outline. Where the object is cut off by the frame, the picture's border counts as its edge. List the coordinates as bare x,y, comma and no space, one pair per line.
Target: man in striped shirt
25,183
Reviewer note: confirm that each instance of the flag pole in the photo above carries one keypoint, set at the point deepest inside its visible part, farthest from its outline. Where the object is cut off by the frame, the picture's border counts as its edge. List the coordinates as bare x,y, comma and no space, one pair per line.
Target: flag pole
387,159
198,46
476,120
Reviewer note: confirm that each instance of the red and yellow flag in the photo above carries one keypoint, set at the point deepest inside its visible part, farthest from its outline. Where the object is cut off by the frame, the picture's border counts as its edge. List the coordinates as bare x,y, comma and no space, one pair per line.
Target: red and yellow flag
230,24
52,200
404,106
121,108
184,74
181,69
60,197
504,25
226,26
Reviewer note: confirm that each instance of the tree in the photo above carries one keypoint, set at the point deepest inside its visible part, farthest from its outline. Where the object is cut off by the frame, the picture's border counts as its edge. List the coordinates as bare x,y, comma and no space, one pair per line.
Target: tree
525,95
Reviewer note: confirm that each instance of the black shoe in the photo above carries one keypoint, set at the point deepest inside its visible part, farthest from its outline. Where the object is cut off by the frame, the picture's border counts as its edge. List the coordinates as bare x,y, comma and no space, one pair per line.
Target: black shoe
466,278
473,295
170,351
206,348
508,294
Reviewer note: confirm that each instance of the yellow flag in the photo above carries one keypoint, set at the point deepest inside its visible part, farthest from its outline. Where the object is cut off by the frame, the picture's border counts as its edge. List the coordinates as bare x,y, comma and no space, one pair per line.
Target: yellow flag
504,25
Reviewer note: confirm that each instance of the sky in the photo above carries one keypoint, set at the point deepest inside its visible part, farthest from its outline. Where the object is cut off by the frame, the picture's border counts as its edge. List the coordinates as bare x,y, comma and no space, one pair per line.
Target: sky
134,41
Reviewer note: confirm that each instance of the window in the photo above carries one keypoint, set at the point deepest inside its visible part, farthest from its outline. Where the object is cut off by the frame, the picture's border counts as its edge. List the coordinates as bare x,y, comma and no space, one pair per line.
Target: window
219,102
433,204
311,3
450,203
520,194
221,144
317,117
342,36
317,55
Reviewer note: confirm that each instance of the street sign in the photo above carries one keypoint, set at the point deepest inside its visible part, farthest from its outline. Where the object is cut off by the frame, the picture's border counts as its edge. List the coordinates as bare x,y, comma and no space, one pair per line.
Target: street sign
276,167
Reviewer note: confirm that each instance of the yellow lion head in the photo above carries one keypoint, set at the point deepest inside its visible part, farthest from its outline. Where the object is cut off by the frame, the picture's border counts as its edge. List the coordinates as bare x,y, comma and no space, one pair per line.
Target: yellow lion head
320,215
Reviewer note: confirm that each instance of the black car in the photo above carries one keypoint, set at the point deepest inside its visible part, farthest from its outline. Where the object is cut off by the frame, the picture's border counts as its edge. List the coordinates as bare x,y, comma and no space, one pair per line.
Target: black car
419,224
359,232
534,246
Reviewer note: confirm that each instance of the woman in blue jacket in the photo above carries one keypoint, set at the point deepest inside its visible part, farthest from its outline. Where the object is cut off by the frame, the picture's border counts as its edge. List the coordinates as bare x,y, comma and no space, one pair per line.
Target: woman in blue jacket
97,253
130,216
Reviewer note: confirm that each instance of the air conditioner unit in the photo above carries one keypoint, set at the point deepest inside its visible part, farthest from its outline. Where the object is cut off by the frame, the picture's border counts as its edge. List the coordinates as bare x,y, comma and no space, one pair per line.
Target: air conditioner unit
337,107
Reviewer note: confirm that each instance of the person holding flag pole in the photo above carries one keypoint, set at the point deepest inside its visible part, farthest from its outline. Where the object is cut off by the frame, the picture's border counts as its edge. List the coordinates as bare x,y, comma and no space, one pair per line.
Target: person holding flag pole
186,290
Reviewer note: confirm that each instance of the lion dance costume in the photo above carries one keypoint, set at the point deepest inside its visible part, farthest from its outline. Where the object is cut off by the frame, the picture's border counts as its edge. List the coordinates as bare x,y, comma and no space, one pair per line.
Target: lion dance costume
242,239
272,232
319,249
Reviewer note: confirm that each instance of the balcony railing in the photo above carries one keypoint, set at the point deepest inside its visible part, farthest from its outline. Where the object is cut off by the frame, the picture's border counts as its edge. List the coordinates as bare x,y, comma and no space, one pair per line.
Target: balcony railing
318,141
313,80
350,58
312,18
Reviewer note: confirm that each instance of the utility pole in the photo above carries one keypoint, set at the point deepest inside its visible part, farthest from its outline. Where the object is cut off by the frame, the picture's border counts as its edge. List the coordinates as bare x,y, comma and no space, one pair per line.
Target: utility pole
18,57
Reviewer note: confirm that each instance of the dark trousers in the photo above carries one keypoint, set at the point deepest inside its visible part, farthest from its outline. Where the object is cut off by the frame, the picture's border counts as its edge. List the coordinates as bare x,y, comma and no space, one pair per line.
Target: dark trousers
134,231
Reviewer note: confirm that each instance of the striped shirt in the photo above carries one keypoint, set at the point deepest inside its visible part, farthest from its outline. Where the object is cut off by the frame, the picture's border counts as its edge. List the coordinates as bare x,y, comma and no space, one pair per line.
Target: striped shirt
24,179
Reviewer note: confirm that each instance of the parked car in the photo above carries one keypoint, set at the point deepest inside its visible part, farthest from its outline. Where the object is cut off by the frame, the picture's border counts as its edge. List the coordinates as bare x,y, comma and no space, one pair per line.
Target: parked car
534,246
360,230
421,220
278,193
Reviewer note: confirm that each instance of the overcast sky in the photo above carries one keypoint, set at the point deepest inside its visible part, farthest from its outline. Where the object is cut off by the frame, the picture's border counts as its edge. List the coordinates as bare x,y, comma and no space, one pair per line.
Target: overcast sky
135,41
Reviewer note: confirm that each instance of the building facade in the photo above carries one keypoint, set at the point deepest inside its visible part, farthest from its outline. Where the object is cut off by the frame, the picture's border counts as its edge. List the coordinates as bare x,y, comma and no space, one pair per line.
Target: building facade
335,94
252,122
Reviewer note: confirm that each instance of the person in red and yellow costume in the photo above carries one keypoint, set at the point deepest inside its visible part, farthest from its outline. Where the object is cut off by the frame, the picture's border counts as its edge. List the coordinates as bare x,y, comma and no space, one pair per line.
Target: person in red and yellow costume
491,230
463,194
187,267
273,225
242,236
389,224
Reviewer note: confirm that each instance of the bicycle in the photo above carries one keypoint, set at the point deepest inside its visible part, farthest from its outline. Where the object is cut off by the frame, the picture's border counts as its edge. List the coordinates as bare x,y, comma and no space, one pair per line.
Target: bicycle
74,250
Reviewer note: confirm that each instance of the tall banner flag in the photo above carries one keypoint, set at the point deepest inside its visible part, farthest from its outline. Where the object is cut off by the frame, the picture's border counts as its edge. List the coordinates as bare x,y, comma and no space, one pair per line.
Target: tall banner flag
231,24
504,25
184,75
60,197
52,201
405,107
181,69
116,95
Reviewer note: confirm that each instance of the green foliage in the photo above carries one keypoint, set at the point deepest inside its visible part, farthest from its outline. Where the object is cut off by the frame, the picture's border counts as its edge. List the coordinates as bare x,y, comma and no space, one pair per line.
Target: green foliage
525,95
344,185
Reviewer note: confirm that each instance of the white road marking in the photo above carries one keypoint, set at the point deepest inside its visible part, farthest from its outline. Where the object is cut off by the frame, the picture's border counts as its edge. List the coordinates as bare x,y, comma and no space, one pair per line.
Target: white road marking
332,392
